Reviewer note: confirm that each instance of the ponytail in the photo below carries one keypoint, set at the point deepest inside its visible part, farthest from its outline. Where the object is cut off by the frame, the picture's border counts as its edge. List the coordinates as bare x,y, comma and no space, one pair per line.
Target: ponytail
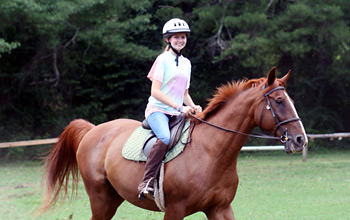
167,47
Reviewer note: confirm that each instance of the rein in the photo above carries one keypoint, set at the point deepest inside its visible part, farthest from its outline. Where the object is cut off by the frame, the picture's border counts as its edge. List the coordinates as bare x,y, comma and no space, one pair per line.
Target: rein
256,135
284,138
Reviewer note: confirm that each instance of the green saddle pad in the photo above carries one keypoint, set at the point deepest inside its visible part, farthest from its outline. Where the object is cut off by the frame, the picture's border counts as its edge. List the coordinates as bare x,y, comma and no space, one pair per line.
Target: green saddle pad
132,150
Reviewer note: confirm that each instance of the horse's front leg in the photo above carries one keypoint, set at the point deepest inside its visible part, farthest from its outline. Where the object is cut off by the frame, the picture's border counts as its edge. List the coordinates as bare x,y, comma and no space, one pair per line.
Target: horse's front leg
175,212
220,213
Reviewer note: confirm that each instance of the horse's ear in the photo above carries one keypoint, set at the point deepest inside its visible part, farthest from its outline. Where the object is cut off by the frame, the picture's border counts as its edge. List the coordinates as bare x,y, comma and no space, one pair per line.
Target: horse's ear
284,79
272,76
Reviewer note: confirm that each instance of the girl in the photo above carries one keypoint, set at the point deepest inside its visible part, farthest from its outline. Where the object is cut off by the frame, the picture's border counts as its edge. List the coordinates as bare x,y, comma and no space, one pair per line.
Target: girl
170,76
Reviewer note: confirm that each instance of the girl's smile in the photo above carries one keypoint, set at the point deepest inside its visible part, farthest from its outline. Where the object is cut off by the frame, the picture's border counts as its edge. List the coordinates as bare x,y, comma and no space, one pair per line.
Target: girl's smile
178,41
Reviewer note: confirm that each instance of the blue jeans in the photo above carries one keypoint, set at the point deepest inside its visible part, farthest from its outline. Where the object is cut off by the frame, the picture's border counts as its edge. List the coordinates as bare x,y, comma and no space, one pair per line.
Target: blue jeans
159,123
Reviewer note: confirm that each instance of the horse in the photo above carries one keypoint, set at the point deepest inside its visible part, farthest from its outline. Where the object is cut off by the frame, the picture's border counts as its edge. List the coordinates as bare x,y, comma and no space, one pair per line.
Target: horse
203,178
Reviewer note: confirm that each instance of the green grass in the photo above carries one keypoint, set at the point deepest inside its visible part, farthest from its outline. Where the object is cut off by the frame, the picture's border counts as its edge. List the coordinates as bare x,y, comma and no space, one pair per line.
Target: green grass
283,187
272,186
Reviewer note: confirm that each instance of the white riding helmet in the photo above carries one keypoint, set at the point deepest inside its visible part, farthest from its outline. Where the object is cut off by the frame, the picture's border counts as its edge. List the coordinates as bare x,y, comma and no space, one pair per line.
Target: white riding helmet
175,25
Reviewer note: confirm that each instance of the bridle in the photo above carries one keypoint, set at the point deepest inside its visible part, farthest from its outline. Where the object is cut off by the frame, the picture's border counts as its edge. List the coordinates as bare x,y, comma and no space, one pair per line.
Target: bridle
279,123
283,139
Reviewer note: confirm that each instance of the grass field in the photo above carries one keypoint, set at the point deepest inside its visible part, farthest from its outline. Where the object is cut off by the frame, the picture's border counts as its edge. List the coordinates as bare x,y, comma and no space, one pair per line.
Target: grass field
273,186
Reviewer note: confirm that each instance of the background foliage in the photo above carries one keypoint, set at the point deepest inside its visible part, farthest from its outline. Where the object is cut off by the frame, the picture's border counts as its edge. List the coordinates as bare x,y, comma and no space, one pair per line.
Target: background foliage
64,59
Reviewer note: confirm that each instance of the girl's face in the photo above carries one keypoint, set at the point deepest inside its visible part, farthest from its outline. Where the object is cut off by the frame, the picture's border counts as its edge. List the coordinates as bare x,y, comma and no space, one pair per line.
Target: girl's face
178,41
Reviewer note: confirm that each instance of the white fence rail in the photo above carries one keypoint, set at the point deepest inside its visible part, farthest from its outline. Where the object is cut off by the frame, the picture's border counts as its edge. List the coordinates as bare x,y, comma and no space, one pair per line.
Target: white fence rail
262,148
338,136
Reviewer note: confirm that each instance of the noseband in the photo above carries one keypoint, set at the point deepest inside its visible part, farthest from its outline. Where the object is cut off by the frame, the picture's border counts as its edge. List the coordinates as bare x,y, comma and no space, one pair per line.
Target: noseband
279,123
284,138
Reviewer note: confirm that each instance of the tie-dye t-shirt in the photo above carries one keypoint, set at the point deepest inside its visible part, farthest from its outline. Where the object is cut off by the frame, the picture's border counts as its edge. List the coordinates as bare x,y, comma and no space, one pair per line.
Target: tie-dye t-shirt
175,80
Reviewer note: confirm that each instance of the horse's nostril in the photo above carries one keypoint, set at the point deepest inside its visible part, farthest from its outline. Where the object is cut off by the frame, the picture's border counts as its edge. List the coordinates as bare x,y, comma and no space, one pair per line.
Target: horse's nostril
299,139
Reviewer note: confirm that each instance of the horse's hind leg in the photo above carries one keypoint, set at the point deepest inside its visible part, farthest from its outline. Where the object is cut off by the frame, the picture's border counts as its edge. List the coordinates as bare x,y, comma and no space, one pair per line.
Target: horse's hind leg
104,200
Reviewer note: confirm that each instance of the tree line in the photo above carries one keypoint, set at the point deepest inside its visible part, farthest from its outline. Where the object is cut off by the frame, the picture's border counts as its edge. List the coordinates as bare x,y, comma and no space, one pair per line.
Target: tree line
67,59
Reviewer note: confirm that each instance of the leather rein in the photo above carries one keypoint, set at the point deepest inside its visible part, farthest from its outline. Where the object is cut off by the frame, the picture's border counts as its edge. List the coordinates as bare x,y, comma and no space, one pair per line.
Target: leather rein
283,139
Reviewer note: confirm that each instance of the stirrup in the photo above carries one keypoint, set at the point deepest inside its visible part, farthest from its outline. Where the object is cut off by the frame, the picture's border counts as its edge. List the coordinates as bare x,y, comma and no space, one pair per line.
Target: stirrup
147,192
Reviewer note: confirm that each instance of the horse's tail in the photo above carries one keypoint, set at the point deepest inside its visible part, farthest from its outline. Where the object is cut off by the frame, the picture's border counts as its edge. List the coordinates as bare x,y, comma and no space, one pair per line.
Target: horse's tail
62,162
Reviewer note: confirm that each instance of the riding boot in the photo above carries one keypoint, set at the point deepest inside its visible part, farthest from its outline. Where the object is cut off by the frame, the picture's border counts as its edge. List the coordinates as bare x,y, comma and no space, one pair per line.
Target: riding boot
153,165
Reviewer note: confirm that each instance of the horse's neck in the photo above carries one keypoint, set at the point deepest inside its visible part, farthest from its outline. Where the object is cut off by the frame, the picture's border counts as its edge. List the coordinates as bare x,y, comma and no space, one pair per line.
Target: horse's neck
237,115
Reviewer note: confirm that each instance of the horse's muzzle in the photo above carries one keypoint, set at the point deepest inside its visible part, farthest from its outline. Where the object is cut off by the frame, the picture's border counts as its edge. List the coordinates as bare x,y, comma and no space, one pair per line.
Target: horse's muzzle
295,144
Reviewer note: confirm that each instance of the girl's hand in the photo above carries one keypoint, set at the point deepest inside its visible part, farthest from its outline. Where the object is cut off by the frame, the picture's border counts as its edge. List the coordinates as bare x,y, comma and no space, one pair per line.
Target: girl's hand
191,110
187,110
197,108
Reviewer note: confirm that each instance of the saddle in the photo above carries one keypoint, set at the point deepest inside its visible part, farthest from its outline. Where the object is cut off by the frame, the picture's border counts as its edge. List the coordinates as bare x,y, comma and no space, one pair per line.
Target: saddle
176,125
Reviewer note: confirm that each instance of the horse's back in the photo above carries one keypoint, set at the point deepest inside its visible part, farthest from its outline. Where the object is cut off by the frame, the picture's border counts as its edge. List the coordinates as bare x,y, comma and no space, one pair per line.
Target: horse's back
107,131
100,141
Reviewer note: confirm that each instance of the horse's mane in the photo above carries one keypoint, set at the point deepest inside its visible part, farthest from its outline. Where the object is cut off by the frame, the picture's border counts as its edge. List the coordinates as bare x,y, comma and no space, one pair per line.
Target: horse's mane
225,92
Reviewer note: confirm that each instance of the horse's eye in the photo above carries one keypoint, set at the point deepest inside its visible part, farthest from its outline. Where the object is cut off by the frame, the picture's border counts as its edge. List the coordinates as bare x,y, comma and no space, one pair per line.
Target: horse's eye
279,101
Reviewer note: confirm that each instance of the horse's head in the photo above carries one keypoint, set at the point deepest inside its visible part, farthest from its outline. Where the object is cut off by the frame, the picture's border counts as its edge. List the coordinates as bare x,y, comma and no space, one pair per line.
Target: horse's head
276,113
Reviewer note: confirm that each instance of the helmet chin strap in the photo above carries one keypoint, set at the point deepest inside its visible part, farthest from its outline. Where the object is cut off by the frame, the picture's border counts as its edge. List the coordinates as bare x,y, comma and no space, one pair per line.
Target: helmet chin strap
176,52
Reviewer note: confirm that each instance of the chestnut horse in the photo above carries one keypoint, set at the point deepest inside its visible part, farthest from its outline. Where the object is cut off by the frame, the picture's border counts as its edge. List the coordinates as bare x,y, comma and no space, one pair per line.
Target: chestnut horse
201,179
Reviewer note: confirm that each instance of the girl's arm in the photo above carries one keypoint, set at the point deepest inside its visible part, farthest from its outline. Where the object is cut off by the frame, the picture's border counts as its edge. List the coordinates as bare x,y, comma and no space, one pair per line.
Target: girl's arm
156,93
189,102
